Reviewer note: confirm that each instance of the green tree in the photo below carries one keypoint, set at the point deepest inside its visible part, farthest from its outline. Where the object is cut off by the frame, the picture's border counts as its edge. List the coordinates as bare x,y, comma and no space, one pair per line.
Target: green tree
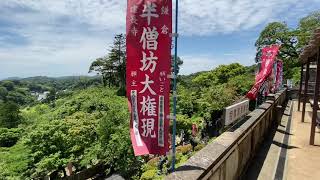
186,104
89,127
179,64
205,79
8,84
115,141
216,98
59,142
117,55
306,27
3,93
242,84
225,72
292,40
279,33
219,75
51,97
9,115
35,87
9,137
112,67
14,161
105,68
18,97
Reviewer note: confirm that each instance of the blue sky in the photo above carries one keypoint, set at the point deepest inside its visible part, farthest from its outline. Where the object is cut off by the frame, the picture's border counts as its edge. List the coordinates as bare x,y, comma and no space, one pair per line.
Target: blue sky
62,37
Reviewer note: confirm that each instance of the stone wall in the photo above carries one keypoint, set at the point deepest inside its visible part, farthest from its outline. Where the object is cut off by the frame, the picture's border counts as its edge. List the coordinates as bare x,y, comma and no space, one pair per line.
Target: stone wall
227,157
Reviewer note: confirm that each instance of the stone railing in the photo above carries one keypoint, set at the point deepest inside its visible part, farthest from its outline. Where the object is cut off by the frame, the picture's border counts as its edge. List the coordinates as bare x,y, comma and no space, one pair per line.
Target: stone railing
228,156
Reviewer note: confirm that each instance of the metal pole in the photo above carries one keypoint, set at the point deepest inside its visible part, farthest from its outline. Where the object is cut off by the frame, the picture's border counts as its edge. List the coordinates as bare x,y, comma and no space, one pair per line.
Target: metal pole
175,92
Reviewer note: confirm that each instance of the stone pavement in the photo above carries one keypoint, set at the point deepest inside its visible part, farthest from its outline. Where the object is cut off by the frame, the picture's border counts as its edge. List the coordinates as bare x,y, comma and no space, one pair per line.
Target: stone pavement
286,153
303,161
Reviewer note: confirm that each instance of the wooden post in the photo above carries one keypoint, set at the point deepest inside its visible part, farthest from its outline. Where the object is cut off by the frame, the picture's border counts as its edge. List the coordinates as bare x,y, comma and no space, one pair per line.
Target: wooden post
300,88
315,102
305,95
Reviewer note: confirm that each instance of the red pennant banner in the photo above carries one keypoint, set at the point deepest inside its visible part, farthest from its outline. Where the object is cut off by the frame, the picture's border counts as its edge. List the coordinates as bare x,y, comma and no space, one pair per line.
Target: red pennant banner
268,57
148,31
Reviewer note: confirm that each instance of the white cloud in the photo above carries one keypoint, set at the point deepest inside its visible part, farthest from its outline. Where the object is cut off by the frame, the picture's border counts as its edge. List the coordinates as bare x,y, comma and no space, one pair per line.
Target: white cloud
226,16
55,38
196,17
48,33
31,61
101,14
194,63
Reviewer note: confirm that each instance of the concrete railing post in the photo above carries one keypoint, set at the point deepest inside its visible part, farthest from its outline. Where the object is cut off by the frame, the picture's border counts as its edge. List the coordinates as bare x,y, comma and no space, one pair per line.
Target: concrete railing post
279,111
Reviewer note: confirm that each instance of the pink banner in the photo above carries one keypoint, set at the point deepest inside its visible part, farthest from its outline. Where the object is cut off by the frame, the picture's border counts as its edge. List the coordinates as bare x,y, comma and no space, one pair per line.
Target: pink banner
149,26
267,60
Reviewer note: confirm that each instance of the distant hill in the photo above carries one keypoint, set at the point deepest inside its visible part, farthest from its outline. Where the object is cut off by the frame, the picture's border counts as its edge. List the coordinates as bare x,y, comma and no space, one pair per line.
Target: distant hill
41,84
46,78
33,78
11,78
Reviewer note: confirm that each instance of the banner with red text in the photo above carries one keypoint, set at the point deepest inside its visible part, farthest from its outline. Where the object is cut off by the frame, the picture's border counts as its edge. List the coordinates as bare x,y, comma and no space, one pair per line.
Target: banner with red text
269,54
148,40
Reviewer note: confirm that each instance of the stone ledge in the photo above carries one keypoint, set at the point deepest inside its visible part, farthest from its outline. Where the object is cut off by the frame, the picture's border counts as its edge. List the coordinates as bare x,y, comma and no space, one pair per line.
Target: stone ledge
214,156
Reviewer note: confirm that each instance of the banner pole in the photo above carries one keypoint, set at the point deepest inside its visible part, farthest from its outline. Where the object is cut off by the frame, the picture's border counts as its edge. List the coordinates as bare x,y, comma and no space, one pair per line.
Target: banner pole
175,91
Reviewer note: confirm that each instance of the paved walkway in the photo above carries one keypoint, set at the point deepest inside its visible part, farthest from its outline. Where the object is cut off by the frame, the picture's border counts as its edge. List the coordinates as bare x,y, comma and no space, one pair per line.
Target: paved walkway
286,153
303,161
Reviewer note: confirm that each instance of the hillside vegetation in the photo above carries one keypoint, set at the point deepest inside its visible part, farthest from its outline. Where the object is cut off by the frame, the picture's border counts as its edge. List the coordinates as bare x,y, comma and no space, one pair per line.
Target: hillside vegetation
90,126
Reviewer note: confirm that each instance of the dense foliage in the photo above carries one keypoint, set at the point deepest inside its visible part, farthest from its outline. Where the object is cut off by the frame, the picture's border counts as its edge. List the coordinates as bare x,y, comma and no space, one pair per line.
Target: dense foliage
15,99
90,127
9,137
292,41
211,91
9,115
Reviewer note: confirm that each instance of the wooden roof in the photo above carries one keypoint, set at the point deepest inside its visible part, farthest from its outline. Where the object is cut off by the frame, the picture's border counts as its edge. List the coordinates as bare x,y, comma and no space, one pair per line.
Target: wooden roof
312,48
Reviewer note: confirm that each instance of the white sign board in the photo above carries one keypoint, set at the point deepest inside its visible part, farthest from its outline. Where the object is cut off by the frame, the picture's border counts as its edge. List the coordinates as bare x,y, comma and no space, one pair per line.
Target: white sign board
235,112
